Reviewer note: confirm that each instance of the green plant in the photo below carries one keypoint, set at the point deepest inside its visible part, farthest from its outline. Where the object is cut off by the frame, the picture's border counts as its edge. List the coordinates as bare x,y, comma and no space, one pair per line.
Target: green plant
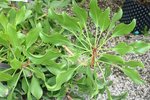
64,63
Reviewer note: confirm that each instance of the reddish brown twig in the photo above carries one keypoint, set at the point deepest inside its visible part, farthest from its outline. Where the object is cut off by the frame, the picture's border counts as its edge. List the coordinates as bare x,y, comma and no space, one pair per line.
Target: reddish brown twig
94,55
27,63
68,96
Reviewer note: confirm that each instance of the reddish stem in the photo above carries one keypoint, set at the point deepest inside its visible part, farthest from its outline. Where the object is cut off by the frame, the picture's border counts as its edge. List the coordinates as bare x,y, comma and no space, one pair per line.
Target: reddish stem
94,54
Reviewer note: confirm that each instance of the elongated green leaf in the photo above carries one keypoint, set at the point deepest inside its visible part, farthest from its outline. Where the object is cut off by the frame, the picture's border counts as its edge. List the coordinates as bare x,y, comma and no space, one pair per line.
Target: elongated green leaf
70,23
22,14
3,21
4,4
29,97
59,4
24,85
5,76
140,47
39,73
122,48
108,94
134,64
133,75
12,83
32,35
3,41
44,59
112,59
27,73
95,12
81,16
27,14
36,89
12,36
90,82
12,16
107,71
55,68
54,16
67,22
122,96
3,90
104,19
60,79
117,16
56,39
15,64
123,29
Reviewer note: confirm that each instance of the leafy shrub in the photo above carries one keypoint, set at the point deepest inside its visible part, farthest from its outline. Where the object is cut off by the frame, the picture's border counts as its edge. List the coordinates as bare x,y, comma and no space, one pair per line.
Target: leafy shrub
65,63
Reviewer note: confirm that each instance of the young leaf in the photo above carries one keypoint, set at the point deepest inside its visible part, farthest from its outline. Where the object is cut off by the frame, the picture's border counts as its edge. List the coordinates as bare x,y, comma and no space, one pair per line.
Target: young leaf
122,96
140,47
108,94
12,16
44,59
12,83
59,4
60,79
5,76
134,64
55,68
95,12
3,40
39,73
107,71
32,35
122,48
56,39
117,16
133,75
22,14
67,22
15,64
3,21
112,59
12,36
4,91
29,97
36,89
27,14
81,16
104,20
123,29
54,16
24,85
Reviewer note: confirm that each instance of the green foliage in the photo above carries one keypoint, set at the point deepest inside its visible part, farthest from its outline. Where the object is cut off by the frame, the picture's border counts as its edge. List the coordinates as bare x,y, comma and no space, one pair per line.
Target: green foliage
54,61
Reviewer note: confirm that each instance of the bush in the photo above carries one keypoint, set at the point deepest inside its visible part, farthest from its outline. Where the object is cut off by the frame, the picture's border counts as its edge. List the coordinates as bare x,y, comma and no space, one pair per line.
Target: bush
63,59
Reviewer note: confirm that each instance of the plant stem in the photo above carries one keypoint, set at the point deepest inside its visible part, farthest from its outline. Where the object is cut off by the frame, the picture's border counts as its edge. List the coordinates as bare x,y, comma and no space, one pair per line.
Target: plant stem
6,70
96,37
112,64
88,37
108,92
44,15
79,40
16,81
80,47
105,41
99,37
26,78
12,52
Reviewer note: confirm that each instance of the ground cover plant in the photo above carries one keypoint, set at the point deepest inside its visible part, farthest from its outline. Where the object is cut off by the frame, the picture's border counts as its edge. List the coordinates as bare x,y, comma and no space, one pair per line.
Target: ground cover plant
56,56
